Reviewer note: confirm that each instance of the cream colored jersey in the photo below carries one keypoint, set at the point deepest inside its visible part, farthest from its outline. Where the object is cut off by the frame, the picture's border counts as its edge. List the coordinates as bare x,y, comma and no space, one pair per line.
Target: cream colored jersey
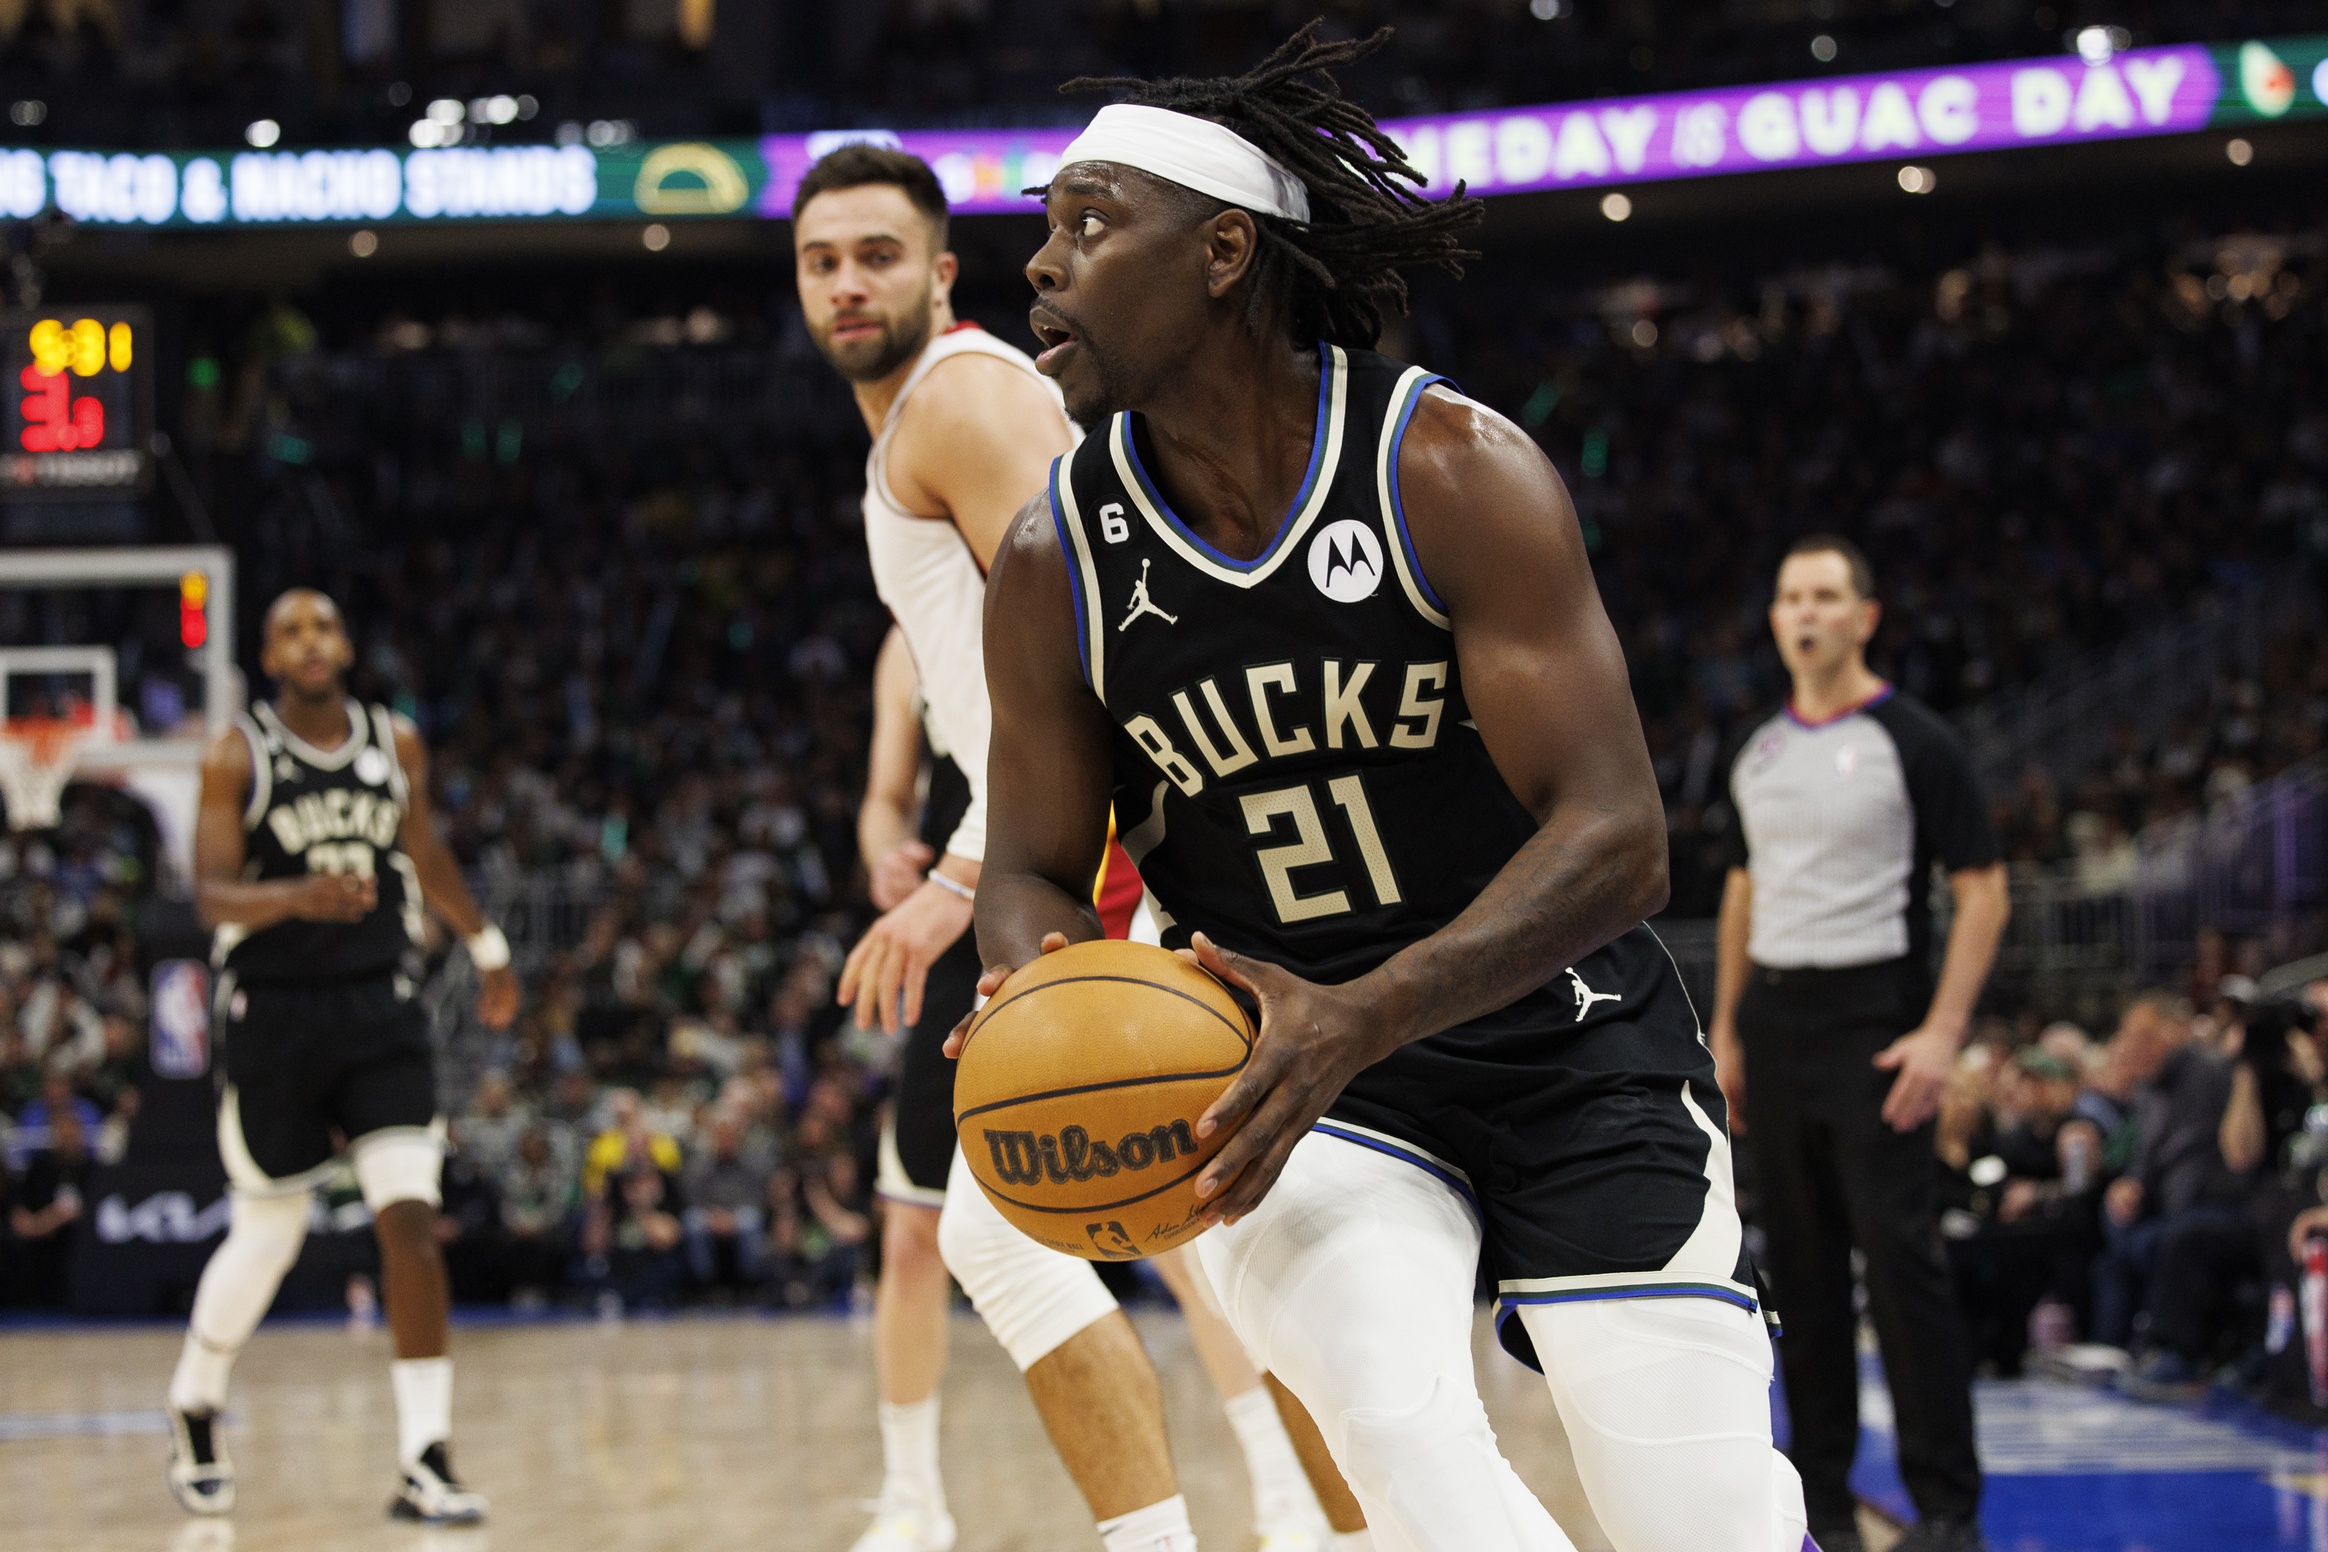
932,584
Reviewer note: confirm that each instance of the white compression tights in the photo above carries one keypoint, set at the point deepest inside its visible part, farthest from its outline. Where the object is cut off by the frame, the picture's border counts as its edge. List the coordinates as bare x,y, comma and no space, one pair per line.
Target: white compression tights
263,1237
1352,1282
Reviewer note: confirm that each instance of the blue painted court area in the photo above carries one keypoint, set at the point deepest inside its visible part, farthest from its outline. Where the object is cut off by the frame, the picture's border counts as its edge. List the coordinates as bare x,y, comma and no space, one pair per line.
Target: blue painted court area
2073,1469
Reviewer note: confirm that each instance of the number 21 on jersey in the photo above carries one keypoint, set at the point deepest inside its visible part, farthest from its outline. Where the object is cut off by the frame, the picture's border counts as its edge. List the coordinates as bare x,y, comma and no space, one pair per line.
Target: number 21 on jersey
1264,812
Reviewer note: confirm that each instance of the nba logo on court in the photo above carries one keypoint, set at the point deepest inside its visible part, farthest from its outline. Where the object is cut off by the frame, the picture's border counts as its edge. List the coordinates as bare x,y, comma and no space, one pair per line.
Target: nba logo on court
181,1018
1345,561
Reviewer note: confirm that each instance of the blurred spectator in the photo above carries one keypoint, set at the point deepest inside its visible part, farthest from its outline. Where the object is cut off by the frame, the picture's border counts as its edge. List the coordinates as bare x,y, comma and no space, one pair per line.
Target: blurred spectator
2174,1225
537,1195
2019,1186
46,1204
2277,1076
819,1218
630,1140
468,1227
726,1218
494,1123
631,1240
34,1122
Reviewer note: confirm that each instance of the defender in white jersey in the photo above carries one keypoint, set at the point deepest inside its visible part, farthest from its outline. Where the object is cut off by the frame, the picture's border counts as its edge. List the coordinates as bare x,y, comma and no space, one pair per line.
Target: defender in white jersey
964,430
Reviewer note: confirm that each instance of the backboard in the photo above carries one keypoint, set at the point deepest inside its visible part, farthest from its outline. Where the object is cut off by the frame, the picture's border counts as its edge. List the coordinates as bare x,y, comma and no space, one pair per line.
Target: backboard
135,644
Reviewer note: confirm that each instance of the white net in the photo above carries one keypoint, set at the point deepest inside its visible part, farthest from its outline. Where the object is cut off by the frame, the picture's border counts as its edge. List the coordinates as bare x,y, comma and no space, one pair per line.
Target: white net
37,756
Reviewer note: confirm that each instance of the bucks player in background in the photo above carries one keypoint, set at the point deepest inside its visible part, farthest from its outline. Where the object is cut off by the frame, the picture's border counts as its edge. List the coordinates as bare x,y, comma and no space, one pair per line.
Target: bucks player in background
1324,635
314,857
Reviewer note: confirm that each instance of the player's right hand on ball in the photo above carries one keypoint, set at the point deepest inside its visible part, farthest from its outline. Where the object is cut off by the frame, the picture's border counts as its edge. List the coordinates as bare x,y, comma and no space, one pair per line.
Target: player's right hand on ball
336,897
989,984
1313,1040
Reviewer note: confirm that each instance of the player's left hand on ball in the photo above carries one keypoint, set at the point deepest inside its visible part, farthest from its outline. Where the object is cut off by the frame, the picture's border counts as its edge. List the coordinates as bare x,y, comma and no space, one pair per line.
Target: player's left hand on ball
891,963
1313,1041
498,993
989,984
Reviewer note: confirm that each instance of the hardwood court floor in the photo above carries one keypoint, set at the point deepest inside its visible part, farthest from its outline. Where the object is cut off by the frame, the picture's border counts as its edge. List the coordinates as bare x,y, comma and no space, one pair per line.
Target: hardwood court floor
684,1435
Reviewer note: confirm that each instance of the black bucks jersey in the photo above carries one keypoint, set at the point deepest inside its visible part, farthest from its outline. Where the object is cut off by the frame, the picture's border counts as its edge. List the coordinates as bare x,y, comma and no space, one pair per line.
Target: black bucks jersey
338,810
1296,774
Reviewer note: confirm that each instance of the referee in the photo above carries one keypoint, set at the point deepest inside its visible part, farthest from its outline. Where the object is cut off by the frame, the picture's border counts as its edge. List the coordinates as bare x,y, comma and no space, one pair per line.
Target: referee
1833,1043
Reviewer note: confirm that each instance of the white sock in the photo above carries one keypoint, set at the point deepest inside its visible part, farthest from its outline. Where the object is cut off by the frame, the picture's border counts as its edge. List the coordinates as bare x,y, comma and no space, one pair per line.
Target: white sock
909,1455
1161,1527
424,1404
1353,1541
1282,1497
199,1385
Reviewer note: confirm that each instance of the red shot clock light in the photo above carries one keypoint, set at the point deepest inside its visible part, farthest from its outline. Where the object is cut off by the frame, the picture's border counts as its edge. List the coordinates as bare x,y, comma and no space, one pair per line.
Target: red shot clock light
193,609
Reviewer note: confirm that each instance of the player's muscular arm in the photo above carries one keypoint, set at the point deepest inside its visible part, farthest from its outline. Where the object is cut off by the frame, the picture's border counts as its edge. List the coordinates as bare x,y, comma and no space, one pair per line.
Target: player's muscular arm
1049,776
973,445
221,894
441,884
1546,684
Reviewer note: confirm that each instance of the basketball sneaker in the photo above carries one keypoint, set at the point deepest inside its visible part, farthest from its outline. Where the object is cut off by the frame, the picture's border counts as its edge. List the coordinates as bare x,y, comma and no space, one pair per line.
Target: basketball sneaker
201,1477
904,1527
432,1495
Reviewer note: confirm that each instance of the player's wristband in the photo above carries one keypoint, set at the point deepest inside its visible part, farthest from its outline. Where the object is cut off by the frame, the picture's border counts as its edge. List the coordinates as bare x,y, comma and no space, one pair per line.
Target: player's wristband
954,887
488,949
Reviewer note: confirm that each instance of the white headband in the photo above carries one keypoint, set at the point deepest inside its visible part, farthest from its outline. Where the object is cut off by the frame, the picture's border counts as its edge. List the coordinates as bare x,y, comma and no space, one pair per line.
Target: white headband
1195,153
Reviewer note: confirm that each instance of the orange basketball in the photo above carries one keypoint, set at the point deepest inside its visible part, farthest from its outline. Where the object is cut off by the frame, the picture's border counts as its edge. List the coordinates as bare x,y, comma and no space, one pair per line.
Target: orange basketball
1079,1089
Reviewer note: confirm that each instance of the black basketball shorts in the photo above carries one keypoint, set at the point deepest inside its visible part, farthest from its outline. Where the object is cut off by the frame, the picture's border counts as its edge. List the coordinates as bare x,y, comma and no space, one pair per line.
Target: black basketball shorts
312,1064
1584,1128
917,1146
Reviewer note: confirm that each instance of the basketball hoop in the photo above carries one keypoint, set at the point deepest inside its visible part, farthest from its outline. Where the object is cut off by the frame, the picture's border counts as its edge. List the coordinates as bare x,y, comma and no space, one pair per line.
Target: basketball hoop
37,755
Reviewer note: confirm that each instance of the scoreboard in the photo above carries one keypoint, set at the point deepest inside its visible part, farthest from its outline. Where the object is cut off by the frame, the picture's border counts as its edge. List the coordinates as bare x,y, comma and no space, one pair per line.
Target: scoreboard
79,402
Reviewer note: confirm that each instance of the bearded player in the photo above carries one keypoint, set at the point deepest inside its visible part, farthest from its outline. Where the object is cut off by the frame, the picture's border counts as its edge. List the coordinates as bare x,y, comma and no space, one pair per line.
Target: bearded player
963,427
1323,635
314,857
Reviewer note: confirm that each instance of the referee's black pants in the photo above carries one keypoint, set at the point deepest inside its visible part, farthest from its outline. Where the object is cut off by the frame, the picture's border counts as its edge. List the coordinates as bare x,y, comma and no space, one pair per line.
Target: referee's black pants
1830,1175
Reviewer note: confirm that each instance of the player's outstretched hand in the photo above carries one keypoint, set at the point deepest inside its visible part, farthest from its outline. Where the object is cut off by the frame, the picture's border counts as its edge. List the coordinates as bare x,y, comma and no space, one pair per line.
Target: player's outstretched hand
336,897
498,992
989,984
891,962
1314,1039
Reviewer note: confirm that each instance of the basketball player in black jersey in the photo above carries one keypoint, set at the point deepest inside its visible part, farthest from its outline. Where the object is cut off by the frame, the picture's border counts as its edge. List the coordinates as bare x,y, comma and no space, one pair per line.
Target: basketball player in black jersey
314,856
1324,633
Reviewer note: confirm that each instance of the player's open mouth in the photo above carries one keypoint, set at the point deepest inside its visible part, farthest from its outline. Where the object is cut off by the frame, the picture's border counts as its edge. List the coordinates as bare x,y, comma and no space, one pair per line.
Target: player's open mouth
849,330
1056,337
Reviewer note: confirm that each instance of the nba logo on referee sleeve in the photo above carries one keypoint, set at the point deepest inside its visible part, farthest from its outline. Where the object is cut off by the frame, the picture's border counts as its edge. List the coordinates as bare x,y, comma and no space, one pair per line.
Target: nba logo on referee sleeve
1345,561
180,1036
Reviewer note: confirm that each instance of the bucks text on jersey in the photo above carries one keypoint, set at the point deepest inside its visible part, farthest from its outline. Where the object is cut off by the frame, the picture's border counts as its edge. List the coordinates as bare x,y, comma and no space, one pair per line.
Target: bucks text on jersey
337,810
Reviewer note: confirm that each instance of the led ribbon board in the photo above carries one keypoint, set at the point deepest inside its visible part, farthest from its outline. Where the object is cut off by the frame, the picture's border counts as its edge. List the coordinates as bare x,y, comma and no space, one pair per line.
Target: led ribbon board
2060,100
79,399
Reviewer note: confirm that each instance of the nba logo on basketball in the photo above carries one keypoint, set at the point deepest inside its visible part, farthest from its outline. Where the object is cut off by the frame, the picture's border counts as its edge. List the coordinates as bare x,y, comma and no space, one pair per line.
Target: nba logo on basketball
181,1021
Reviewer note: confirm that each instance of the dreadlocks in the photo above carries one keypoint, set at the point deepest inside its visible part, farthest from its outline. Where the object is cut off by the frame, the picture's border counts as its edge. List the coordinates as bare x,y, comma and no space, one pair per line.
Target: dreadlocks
1333,277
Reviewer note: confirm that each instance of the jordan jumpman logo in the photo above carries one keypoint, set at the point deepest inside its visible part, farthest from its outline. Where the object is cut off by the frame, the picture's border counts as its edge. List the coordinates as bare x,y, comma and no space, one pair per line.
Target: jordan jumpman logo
1586,996
1143,604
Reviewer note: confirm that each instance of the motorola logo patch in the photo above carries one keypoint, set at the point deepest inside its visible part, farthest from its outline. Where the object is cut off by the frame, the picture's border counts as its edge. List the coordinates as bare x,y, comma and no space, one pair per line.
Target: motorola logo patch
1345,561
